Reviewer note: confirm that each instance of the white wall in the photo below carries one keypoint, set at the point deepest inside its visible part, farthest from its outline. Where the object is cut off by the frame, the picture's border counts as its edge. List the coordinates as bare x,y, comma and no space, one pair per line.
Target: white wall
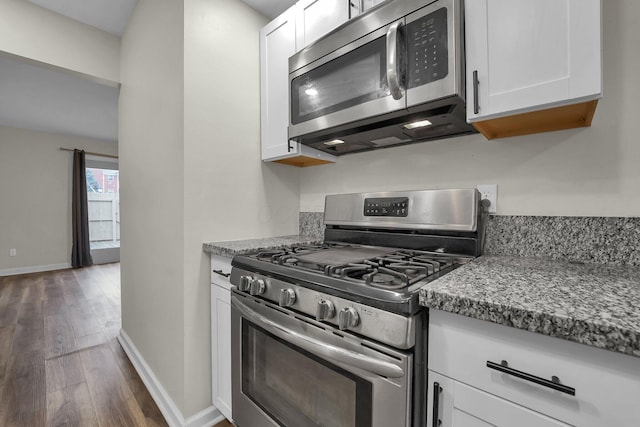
33,33
228,192
592,171
193,118
35,194
151,189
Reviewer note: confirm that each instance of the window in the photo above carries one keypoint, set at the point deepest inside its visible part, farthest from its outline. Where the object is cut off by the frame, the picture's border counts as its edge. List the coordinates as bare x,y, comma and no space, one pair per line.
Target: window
103,201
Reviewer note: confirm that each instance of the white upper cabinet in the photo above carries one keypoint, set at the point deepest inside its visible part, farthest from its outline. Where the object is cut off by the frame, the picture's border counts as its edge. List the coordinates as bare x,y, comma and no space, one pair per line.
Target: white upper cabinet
368,4
277,44
526,55
317,17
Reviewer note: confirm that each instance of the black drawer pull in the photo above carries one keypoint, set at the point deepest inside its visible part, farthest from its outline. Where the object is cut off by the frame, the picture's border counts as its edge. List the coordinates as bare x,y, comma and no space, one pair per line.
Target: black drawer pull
554,383
435,420
222,273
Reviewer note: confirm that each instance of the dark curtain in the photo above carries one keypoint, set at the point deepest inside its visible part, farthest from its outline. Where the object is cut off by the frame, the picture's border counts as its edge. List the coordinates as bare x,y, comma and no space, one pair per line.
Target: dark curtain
81,252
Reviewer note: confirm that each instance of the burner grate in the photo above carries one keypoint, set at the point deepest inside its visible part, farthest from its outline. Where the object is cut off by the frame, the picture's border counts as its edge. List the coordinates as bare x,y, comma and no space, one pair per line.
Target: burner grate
386,268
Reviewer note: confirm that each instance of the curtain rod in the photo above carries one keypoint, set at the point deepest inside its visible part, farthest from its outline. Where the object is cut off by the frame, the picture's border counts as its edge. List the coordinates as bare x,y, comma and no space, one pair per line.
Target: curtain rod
91,153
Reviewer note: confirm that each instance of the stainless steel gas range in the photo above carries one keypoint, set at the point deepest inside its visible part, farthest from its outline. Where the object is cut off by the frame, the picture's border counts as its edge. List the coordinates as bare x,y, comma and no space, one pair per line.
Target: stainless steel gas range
332,334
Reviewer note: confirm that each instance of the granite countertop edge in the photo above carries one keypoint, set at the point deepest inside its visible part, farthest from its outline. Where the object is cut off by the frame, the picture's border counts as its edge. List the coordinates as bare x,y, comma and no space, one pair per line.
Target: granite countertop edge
232,248
442,294
577,330
592,331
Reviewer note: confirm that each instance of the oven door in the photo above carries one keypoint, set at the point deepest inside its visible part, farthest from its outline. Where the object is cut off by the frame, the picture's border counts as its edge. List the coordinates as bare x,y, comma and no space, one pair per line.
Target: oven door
294,372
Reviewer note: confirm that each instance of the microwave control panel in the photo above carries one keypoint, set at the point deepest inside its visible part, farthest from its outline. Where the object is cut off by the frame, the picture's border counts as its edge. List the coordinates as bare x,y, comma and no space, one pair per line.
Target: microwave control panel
386,206
427,49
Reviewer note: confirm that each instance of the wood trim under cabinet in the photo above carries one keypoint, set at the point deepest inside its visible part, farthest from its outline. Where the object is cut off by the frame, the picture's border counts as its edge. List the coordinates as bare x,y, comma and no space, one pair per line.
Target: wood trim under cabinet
302,161
552,119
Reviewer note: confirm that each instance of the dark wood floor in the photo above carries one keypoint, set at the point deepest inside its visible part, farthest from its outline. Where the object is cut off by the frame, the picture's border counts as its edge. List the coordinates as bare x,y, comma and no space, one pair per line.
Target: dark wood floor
60,363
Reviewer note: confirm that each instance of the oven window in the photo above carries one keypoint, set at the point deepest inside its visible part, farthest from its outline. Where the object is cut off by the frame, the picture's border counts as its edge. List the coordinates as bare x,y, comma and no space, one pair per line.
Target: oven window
296,388
352,79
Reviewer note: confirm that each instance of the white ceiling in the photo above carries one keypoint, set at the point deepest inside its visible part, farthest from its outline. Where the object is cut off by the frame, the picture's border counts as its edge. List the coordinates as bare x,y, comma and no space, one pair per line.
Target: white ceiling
44,99
108,15
38,98
270,8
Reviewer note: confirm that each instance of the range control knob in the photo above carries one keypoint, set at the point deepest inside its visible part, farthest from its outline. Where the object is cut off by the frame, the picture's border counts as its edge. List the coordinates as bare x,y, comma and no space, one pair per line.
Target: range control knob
325,310
348,318
257,287
245,283
287,297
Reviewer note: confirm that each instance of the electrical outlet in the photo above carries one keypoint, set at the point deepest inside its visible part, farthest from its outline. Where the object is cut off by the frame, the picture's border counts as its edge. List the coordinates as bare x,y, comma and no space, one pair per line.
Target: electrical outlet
12,252
490,193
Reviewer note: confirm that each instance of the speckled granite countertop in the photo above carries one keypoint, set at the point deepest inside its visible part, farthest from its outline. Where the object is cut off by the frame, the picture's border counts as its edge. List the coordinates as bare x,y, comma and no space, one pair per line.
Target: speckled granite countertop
238,247
592,304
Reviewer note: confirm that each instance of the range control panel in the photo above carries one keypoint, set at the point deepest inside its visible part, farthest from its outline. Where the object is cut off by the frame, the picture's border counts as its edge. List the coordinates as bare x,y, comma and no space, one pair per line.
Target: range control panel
387,206
428,53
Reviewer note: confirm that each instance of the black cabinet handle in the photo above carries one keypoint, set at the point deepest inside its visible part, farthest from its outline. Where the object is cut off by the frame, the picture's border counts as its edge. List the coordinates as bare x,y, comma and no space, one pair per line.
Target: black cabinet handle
476,83
222,273
289,147
435,419
554,383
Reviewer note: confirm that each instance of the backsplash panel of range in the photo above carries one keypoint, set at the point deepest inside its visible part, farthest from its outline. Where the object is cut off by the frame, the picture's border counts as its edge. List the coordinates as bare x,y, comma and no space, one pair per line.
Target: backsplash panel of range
392,76
332,333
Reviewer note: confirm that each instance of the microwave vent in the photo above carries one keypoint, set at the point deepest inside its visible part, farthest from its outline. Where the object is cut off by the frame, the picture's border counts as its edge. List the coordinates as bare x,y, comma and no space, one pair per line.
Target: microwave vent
385,142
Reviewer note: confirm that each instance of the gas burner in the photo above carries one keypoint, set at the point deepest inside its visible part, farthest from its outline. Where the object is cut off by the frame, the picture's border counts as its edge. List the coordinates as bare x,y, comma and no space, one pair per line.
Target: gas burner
270,255
348,271
386,279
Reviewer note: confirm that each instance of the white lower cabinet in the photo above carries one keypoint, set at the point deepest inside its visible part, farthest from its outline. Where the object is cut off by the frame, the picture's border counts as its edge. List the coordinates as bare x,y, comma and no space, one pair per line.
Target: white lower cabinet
494,375
462,406
221,335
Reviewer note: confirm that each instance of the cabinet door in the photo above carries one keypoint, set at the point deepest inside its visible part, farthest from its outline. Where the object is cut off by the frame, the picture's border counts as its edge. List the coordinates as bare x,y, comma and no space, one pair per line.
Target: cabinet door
317,17
221,349
462,406
277,44
529,55
368,4
221,271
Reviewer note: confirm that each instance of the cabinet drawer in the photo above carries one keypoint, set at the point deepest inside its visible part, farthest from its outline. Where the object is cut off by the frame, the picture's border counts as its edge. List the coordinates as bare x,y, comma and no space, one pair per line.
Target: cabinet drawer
604,381
221,271
464,406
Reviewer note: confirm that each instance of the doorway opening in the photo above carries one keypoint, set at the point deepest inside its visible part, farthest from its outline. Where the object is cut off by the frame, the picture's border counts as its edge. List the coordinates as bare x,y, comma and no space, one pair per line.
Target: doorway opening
103,199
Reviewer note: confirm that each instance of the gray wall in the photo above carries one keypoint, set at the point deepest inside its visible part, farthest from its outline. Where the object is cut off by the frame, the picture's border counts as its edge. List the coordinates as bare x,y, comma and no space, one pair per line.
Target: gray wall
229,193
151,188
35,178
35,198
189,106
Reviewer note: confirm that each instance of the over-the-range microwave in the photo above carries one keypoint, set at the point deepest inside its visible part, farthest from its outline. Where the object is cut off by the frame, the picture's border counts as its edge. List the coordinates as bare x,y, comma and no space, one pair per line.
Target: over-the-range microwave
394,75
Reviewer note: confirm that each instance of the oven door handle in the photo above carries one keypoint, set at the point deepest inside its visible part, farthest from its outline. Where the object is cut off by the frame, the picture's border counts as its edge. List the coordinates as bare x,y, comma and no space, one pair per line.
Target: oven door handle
327,351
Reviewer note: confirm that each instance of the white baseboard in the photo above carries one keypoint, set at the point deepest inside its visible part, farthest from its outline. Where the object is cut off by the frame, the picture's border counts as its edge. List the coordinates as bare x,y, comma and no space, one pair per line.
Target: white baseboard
33,269
205,418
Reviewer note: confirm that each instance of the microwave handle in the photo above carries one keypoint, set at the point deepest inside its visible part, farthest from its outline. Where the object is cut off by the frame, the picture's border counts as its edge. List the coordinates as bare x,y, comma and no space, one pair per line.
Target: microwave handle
314,346
393,79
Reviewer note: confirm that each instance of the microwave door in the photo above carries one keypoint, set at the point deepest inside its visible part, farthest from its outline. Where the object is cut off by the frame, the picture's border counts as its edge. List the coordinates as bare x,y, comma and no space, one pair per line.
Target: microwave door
348,85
